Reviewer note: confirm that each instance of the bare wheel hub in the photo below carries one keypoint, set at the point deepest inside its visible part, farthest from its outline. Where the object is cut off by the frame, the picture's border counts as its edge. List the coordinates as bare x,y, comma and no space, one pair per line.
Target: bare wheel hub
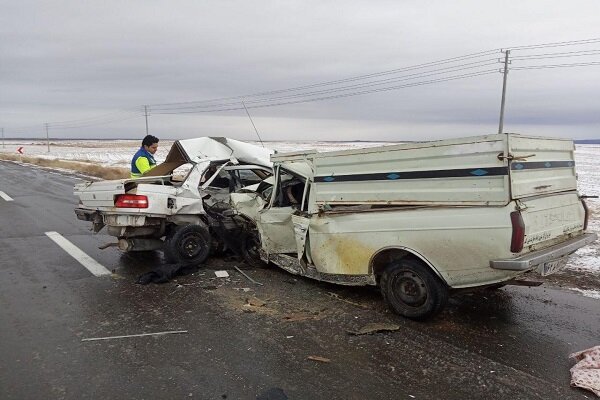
410,288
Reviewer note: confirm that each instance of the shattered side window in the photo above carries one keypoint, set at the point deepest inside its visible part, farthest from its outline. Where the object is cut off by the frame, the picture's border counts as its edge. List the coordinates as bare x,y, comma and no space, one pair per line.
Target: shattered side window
290,190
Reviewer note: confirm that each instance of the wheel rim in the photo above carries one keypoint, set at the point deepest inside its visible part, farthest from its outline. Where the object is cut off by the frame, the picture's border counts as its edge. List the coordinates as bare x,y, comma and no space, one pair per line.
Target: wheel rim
410,288
191,245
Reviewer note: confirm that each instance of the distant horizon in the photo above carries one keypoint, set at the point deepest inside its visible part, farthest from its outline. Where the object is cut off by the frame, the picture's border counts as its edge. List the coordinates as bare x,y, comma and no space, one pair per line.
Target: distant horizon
576,141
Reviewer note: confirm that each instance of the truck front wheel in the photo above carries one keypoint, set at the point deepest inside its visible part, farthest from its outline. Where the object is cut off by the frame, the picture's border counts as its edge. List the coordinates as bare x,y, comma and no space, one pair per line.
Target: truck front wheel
412,290
188,244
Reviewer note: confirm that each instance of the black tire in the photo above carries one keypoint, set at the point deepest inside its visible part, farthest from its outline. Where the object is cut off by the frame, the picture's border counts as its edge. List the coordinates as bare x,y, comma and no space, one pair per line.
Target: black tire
188,244
412,290
250,249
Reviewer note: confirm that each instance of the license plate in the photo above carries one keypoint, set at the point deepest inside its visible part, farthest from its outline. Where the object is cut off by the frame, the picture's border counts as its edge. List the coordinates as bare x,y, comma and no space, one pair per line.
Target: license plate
553,266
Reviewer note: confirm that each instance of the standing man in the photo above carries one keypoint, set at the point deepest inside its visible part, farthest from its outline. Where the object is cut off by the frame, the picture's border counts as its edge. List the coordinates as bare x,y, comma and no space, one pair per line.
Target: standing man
143,161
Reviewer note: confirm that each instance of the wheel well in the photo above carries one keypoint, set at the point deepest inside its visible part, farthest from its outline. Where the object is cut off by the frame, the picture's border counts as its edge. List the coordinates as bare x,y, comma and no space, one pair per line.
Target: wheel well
387,256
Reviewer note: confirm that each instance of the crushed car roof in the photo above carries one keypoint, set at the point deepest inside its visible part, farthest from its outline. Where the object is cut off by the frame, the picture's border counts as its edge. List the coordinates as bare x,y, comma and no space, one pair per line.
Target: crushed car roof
212,149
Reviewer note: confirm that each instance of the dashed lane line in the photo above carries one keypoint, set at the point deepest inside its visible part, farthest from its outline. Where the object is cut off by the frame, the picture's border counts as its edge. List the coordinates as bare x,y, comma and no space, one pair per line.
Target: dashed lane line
88,262
5,196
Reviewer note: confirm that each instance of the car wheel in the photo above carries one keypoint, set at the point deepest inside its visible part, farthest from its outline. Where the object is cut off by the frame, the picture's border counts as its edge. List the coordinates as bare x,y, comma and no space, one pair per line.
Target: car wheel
412,290
251,249
188,244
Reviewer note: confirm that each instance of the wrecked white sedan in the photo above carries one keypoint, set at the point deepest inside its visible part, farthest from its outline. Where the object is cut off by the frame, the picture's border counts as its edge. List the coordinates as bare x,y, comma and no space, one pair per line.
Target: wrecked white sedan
420,220
162,211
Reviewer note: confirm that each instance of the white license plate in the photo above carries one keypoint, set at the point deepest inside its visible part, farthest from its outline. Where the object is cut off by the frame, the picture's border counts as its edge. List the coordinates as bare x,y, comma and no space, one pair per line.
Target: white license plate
553,266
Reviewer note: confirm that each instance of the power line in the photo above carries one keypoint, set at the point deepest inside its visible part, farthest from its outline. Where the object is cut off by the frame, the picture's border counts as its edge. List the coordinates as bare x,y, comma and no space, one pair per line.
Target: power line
464,76
556,66
105,122
381,82
328,83
581,53
351,86
556,44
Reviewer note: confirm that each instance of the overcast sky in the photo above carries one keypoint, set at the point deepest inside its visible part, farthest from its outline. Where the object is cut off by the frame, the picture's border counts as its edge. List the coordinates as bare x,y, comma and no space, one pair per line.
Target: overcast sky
95,61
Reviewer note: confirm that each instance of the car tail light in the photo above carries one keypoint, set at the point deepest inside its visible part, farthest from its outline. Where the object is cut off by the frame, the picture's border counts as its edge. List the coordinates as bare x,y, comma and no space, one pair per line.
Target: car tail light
131,201
518,232
586,214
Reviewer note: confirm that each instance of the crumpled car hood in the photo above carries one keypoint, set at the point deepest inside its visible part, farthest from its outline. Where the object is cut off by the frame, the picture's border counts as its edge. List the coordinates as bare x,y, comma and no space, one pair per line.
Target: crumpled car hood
212,149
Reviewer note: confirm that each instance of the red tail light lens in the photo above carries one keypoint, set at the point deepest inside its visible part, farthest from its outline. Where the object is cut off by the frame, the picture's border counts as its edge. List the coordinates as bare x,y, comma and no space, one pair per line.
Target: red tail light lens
586,214
518,232
131,201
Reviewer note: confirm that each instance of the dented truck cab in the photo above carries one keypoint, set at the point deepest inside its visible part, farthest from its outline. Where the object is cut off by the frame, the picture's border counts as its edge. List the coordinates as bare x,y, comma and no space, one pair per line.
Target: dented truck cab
421,220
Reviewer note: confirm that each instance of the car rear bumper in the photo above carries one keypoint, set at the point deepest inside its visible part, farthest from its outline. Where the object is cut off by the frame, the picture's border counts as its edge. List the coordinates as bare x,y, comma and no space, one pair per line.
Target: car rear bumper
85,215
533,259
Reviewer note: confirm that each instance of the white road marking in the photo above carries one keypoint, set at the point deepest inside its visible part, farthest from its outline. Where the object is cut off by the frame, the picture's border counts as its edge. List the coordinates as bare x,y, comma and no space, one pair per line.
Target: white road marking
5,196
92,265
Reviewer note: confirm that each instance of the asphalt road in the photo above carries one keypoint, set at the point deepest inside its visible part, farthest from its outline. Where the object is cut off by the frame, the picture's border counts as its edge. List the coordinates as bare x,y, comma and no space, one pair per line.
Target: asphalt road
509,344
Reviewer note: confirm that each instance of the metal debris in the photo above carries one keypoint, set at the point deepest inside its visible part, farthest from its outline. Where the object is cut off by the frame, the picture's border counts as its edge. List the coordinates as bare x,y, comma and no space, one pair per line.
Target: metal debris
319,359
254,302
130,336
247,277
337,297
221,274
375,327
294,317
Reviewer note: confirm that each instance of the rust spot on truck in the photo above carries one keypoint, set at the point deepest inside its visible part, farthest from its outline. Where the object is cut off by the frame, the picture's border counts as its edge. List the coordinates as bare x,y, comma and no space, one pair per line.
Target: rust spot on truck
352,255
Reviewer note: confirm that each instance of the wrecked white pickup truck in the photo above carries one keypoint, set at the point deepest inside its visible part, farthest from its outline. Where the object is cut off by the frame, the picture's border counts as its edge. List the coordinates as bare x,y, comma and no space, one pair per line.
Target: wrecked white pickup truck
162,212
420,220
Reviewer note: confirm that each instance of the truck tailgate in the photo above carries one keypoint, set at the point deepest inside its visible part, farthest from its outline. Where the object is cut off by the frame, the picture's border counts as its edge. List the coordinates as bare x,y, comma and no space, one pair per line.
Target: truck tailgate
541,166
549,219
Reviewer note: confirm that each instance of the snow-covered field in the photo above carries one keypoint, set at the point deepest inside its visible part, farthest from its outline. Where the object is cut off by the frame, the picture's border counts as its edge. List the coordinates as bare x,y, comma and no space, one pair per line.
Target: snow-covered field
119,152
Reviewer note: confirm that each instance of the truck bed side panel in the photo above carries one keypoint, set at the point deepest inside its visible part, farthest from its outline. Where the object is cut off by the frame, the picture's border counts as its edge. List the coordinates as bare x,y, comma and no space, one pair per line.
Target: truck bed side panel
443,173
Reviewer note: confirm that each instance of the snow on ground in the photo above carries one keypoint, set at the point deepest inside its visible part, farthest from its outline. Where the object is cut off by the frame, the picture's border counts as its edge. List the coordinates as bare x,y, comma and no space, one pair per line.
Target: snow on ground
118,153
594,294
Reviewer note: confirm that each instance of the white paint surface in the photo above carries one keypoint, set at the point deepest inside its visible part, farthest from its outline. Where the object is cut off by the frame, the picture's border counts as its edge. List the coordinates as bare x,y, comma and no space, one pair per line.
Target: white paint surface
5,196
88,262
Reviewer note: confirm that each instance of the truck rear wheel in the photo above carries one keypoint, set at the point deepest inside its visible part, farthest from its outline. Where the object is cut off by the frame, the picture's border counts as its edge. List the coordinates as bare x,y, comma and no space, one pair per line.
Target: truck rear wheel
188,244
412,290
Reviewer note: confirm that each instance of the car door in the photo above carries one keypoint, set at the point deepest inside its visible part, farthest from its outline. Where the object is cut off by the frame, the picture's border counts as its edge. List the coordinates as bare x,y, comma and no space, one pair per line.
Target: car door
275,222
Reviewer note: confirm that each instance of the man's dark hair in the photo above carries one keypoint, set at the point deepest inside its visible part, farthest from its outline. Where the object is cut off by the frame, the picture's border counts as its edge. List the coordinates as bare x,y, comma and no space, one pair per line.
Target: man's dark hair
149,140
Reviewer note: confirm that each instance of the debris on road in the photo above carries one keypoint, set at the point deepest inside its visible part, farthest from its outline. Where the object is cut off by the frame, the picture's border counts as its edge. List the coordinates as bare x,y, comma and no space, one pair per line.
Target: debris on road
222,274
164,273
586,373
295,317
255,302
135,335
337,297
375,327
319,359
247,277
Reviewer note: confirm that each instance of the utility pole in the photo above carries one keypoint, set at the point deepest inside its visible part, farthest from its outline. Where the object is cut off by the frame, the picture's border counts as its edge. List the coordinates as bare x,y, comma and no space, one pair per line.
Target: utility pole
47,137
146,115
2,138
501,126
